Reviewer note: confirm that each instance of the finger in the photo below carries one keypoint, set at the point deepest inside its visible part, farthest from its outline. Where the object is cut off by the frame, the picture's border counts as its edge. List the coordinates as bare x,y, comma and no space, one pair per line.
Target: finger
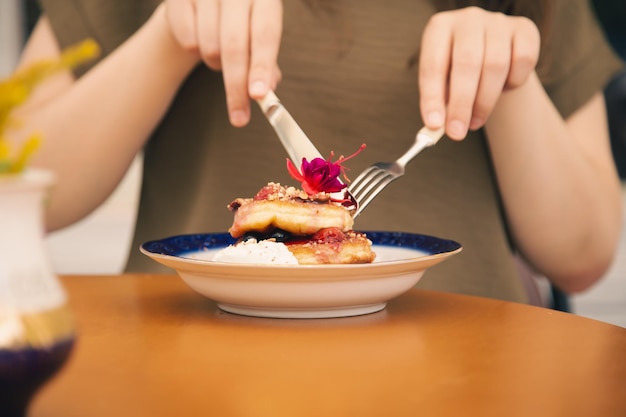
266,31
434,66
465,72
235,56
496,65
526,46
208,32
181,17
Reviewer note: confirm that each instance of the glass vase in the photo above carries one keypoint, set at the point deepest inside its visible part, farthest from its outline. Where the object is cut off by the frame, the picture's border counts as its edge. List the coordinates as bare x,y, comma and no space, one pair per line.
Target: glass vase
36,327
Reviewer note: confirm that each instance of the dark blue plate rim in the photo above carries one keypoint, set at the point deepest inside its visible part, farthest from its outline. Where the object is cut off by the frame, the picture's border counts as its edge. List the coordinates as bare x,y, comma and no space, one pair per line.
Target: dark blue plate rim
180,245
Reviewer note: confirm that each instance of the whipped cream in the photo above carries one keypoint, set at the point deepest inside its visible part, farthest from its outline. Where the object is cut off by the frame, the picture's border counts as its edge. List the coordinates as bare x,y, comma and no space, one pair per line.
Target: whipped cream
252,251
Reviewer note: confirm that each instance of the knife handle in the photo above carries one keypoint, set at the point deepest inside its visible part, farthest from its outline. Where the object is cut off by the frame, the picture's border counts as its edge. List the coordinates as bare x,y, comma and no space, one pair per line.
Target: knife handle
269,103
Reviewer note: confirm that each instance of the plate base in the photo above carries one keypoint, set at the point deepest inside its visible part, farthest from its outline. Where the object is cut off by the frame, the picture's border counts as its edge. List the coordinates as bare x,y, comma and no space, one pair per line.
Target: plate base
302,313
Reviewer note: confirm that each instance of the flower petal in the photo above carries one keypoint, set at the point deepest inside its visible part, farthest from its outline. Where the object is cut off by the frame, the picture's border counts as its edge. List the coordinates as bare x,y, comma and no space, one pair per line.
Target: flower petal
293,171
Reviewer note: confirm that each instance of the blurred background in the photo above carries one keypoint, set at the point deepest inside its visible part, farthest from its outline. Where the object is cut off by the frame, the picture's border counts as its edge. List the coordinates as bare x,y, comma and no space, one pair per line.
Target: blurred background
99,243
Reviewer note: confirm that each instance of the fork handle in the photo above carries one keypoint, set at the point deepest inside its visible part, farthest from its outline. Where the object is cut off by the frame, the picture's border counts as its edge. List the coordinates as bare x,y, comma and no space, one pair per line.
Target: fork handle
425,137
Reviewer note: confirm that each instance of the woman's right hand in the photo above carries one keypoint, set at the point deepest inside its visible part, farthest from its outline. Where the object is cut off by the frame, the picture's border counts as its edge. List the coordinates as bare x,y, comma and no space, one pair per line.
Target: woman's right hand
241,38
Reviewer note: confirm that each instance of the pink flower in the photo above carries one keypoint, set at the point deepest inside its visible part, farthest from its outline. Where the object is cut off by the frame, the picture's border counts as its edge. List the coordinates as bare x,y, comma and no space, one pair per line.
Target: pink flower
320,175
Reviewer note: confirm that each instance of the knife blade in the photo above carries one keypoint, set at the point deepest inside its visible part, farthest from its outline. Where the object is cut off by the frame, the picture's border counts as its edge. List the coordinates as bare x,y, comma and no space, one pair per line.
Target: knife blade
294,140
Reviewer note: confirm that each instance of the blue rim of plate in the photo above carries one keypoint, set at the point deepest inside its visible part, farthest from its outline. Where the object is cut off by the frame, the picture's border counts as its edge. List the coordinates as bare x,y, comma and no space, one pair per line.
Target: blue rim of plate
182,244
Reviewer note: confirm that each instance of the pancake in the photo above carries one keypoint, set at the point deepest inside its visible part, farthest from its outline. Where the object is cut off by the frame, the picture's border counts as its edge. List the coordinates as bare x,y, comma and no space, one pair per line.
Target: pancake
333,246
316,229
295,217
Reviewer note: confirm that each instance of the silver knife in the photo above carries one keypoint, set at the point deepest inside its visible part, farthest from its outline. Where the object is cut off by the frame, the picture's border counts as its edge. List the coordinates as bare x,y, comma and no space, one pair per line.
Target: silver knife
293,138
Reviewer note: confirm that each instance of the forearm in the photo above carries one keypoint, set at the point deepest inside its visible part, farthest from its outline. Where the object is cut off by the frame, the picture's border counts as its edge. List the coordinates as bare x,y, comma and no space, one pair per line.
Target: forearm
560,191
93,129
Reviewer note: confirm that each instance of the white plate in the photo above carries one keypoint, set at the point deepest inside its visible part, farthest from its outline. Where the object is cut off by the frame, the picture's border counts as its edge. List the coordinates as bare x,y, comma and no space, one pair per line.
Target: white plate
302,291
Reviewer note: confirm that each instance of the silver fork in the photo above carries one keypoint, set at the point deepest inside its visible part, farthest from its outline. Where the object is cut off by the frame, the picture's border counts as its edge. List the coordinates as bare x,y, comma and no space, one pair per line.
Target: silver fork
373,179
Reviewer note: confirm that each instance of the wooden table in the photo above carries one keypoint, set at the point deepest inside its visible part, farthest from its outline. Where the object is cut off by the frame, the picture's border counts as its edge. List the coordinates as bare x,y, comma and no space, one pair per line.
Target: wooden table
150,346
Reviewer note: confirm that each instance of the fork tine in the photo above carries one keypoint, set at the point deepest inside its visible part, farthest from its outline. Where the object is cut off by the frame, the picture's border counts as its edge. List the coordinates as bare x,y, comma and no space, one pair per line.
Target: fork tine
367,184
374,189
367,187
357,183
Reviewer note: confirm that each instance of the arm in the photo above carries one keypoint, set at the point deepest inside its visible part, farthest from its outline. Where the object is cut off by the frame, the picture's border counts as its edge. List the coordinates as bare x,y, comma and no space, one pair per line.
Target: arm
559,185
93,127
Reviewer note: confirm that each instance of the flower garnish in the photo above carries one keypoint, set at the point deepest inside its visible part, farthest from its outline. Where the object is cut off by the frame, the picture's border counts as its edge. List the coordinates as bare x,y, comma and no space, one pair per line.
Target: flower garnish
320,175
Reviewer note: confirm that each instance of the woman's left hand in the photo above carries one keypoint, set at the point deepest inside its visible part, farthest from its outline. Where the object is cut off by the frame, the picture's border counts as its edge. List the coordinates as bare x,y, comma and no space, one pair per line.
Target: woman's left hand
468,58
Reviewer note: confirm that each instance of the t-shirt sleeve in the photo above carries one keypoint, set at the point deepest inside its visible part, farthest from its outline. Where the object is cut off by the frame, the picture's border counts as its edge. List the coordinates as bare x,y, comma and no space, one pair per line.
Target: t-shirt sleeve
576,60
109,23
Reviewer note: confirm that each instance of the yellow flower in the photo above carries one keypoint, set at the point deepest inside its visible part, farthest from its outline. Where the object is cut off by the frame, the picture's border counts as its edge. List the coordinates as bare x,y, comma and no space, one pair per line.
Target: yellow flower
16,89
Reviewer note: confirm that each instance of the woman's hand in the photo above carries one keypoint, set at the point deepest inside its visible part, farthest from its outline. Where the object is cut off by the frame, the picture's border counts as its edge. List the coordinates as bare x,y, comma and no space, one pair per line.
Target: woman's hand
468,58
241,38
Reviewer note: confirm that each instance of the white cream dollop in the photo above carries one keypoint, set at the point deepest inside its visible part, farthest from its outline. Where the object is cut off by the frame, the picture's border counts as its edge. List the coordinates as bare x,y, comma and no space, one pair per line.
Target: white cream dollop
252,251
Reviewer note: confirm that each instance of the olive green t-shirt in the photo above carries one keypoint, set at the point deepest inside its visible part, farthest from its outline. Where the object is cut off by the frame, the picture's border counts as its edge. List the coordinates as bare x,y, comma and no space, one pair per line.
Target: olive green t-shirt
349,77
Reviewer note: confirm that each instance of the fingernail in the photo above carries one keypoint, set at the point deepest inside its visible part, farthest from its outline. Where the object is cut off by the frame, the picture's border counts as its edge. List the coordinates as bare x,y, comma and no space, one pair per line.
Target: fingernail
457,129
435,119
238,118
258,89
476,122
